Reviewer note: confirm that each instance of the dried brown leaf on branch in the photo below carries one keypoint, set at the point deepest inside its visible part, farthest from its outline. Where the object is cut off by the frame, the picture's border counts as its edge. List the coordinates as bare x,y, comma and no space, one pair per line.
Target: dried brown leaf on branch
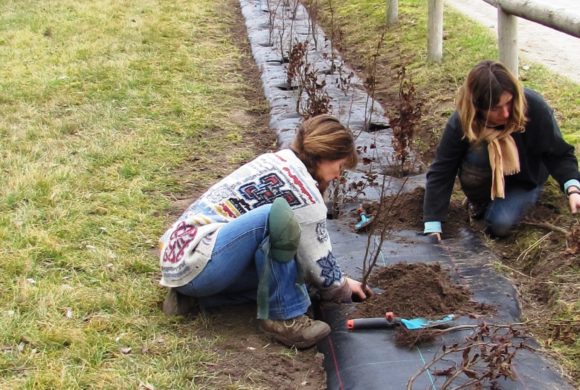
296,60
406,121
483,358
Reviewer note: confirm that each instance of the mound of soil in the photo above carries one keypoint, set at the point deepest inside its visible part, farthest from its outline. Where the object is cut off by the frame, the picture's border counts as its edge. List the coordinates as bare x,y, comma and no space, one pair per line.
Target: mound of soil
417,290
406,212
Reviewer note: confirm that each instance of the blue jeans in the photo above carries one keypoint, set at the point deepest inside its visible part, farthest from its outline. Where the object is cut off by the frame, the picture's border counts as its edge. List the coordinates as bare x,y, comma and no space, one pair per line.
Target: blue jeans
232,274
500,214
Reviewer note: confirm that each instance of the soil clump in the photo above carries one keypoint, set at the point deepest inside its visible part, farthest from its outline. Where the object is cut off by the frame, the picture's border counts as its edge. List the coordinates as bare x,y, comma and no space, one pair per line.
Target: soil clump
417,290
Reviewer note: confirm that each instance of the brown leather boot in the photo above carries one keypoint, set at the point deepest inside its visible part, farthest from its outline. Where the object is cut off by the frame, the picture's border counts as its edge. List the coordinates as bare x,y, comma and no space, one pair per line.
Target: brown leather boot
176,304
300,332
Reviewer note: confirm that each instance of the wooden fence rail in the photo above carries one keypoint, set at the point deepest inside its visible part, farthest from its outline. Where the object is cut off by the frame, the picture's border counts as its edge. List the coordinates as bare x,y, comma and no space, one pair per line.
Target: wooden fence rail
508,12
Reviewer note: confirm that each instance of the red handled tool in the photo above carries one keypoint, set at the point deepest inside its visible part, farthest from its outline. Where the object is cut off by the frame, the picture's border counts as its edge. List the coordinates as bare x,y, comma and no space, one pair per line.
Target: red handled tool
373,323
390,320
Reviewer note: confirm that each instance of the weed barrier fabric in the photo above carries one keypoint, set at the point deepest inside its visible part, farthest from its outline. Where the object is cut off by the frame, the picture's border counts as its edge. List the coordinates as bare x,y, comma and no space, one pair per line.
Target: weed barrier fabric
369,359
271,32
273,28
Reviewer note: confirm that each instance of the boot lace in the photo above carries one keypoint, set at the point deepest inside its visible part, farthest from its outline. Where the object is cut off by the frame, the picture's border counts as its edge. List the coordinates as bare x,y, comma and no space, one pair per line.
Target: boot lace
298,323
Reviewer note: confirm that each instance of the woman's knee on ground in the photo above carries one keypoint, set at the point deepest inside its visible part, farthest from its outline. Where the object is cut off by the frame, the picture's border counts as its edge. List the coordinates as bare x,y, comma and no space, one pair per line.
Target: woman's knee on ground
499,227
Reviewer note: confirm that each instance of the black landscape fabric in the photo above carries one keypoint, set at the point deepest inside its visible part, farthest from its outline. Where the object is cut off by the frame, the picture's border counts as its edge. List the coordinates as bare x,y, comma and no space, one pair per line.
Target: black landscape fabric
371,359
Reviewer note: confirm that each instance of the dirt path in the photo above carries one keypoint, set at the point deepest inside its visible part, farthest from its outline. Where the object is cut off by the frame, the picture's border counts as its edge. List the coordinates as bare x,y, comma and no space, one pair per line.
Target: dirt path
246,358
557,51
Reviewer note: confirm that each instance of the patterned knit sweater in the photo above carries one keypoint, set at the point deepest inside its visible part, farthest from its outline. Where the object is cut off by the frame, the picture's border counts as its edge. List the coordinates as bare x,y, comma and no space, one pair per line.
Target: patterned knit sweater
187,246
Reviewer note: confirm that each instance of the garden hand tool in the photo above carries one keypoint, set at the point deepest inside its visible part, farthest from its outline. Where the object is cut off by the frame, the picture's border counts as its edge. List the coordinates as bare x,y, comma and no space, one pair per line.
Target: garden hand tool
365,220
390,320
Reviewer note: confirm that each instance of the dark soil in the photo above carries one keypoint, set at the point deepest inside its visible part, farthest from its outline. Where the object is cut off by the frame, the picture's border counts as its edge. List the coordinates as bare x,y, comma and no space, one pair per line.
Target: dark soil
405,212
417,290
246,355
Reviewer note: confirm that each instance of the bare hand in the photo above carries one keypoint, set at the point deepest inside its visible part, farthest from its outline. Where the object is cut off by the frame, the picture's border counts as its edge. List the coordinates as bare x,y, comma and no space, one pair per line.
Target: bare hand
357,289
436,237
574,202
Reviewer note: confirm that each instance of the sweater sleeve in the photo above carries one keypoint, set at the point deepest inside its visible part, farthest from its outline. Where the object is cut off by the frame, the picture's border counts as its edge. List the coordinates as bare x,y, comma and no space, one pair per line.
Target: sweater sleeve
442,173
316,261
315,257
557,155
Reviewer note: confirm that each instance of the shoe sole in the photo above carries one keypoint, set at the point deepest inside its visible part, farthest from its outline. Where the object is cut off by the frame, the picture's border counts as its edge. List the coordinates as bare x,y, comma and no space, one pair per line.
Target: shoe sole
289,343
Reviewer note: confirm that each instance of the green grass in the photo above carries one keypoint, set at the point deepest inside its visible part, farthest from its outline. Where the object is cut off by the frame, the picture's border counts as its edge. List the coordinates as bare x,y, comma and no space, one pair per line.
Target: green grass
104,106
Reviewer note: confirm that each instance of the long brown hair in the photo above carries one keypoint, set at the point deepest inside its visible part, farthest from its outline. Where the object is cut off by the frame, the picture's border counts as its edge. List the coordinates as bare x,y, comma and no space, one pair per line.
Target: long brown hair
481,91
323,138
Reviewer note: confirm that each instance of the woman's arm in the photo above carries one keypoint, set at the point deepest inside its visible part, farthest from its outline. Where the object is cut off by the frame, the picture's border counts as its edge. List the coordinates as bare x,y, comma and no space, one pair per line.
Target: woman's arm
544,134
320,268
441,175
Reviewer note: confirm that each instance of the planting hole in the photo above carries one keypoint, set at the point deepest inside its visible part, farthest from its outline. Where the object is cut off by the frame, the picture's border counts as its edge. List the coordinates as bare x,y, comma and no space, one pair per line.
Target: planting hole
372,127
286,87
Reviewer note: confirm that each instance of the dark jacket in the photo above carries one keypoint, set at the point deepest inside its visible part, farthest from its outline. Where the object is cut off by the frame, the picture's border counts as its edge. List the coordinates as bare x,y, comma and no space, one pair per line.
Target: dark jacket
541,148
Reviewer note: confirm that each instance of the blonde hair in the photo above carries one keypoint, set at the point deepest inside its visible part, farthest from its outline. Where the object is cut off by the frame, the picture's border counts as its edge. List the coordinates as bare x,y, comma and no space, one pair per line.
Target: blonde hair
323,138
481,91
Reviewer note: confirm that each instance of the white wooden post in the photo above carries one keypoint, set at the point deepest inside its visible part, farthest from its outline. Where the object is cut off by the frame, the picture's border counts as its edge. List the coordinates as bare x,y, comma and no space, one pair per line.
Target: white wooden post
507,37
542,12
435,31
392,12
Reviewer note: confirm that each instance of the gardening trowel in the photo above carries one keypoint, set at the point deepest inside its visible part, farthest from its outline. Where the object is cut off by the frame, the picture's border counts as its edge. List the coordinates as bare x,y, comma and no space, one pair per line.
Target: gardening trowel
365,220
389,320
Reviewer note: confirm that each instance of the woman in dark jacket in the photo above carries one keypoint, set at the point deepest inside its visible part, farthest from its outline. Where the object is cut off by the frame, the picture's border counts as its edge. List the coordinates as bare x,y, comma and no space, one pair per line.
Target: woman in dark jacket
502,142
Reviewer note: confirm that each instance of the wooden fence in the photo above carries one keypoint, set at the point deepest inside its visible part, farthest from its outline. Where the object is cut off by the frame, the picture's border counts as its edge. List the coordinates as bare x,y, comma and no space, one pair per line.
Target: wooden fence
507,13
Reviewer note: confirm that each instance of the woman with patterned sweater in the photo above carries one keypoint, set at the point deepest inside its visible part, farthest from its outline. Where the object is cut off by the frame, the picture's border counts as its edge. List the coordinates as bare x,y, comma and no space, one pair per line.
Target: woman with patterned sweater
260,234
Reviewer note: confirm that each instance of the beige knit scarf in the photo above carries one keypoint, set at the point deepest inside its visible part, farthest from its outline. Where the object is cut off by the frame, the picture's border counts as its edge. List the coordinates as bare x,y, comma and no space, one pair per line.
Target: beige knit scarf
503,158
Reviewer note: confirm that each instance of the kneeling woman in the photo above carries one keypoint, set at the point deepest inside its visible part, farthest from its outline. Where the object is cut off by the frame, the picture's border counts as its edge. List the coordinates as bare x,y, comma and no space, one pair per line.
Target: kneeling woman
260,234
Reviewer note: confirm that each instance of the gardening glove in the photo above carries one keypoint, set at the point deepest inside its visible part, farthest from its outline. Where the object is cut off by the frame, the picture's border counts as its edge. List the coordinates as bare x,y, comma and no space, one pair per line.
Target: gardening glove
433,231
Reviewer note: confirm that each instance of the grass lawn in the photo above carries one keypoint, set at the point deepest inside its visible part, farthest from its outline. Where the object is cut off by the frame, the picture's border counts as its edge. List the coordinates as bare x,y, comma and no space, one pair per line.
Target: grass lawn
110,110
